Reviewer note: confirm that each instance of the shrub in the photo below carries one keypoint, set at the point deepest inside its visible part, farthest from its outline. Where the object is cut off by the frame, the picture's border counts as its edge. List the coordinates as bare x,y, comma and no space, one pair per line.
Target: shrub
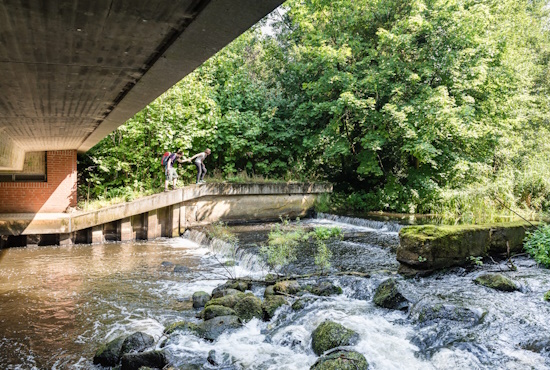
537,244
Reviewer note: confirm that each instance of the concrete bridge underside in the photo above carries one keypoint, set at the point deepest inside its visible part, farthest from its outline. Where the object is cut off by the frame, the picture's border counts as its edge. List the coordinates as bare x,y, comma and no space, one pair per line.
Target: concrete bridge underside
73,71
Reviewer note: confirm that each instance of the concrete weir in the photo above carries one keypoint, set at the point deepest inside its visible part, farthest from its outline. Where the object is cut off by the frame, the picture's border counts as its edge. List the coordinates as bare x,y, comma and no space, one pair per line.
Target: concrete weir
166,214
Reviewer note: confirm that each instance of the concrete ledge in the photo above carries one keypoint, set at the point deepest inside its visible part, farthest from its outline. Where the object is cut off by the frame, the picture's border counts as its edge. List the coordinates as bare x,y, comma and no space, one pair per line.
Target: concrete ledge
199,204
426,248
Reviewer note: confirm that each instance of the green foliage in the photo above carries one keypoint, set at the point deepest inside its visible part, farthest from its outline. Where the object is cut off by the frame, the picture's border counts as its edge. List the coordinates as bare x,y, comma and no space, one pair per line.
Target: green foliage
406,106
325,233
281,247
537,244
323,256
478,261
219,230
284,240
547,296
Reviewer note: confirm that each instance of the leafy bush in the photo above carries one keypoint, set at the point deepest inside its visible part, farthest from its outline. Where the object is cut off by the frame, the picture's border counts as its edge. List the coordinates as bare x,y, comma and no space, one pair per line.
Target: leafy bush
537,244
219,230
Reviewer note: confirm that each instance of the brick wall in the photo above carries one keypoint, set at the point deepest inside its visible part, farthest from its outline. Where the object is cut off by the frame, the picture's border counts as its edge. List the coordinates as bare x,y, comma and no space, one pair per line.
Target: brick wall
55,195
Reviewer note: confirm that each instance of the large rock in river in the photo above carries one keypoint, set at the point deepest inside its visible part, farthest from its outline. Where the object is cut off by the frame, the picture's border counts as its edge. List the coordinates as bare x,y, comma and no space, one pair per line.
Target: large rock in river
246,305
109,354
496,281
232,284
270,305
216,310
287,287
325,289
212,329
151,359
425,248
137,342
426,312
200,299
330,335
387,295
341,360
181,326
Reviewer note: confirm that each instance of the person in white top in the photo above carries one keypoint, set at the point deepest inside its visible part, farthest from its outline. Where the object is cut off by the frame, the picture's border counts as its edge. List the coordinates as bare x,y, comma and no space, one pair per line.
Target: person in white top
199,162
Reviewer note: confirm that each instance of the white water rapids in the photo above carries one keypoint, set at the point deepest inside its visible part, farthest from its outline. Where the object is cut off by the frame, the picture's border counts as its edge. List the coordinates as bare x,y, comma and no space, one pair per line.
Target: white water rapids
58,304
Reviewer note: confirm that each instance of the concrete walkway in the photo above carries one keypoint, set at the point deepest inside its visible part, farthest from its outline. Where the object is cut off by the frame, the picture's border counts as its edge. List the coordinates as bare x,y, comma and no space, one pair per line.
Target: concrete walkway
168,213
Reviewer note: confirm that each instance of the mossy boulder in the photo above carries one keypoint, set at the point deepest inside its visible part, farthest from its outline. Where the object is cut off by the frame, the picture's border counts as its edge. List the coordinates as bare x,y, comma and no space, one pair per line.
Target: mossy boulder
109,354
496,281
270,305
387,295
302,302
428,313
181,326
325,289
152,359
215,310
287,287
137,342
200,298
246,305
341,360
213,328
227,300
547,296
269,290
224,292
249,307
233,284
329,335
425,248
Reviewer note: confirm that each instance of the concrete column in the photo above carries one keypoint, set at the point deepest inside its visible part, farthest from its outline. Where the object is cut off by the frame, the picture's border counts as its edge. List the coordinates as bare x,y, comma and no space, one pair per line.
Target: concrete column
175,231
152,225
126,230
66,239
97,234
139,226
164,216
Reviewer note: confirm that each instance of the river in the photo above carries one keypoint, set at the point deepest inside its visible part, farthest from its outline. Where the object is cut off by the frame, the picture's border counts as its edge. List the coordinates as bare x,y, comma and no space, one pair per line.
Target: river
59,303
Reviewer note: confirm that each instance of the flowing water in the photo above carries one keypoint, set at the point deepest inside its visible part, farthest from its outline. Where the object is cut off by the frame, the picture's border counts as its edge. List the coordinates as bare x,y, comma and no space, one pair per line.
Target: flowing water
58,304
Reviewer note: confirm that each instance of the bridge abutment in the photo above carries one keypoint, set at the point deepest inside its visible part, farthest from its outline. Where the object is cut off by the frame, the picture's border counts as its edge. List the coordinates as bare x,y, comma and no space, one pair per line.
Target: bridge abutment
56,194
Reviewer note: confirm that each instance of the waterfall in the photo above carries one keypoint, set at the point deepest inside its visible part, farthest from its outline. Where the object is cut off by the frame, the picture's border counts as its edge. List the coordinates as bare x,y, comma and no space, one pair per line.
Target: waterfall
371,224
245,259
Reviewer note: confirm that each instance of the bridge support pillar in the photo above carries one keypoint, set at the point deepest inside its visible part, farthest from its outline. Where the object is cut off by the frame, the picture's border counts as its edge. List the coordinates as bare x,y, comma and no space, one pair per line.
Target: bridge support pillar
126,230
176,212
66,239
152,225
97,234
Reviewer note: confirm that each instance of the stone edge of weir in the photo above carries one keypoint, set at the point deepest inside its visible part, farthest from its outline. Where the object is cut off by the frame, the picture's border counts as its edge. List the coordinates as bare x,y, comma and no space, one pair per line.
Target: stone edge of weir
165,214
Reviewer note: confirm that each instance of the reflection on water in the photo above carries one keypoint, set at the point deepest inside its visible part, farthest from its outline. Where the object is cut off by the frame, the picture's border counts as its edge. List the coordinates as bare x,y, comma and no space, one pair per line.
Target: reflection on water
58,302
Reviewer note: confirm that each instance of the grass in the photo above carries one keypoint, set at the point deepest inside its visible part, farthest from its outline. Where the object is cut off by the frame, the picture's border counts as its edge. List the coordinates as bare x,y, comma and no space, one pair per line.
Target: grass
243,177
126,196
